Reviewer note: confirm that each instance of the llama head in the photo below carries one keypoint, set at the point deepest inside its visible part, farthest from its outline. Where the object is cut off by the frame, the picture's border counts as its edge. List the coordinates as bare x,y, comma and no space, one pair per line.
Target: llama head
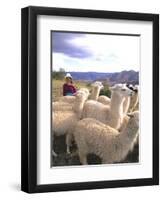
121,90
130,86
86,91
136,89
133,88
97,84
81,95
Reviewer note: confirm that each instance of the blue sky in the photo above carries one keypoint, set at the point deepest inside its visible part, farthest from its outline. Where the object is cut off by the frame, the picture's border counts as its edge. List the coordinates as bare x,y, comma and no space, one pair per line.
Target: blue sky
95,52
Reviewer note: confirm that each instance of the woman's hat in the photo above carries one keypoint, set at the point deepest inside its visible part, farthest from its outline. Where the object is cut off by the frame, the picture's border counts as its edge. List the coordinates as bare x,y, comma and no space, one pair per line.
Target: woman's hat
68,75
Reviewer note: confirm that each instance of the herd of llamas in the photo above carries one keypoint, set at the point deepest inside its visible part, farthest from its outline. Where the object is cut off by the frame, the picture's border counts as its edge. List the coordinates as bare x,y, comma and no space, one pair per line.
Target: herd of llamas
97,124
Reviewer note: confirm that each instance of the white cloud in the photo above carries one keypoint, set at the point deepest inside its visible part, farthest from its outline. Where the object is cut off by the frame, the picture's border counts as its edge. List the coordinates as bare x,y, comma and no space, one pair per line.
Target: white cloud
111,53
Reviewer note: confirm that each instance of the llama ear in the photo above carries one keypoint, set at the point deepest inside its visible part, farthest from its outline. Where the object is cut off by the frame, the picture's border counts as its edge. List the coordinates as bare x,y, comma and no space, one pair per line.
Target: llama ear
130,115
135,90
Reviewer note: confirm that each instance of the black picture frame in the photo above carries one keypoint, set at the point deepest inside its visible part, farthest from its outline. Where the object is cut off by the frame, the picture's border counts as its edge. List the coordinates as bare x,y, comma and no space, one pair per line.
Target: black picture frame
29,98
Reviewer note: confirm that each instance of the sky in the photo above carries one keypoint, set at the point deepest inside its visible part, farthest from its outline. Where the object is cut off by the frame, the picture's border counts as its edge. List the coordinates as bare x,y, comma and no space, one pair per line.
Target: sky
95,52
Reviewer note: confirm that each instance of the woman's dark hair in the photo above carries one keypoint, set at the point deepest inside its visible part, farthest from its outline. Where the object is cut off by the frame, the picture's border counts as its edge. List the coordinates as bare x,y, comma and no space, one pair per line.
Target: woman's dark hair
70,79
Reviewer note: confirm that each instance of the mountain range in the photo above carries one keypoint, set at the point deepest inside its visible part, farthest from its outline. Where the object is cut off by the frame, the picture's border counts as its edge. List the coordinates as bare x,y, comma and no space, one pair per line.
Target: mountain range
131,77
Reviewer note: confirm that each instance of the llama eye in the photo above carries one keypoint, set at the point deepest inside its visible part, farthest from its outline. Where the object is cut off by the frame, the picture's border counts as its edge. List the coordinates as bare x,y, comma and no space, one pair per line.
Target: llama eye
123,89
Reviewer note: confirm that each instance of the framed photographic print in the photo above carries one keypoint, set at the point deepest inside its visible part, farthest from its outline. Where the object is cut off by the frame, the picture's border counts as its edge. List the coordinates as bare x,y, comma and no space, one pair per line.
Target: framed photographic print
90,99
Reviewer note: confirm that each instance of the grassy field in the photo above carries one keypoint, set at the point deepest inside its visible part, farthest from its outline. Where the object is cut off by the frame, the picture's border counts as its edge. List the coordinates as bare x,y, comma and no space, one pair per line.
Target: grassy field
57,90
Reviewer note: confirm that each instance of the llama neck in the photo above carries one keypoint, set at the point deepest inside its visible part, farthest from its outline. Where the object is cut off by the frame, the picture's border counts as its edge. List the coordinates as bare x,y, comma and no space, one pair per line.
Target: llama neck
136,99
129,132
126,104
78,106
95,93
116,104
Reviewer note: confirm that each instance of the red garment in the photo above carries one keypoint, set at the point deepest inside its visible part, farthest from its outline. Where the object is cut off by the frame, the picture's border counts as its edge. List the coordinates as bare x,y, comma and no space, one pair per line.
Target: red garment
68,89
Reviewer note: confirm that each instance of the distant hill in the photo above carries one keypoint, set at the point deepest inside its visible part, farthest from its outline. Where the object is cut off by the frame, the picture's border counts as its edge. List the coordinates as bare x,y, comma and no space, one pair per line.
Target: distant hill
89,76
131,77
117,77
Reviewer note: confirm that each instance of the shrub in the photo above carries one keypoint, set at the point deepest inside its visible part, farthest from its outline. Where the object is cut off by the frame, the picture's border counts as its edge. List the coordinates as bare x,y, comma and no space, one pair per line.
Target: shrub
105,91
59,75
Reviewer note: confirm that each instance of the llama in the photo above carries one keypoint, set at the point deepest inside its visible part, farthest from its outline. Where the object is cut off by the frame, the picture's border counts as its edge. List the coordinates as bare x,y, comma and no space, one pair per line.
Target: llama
126,104
66,103
110,145
106,100
71,99
111,115
134,99
96,87
63,122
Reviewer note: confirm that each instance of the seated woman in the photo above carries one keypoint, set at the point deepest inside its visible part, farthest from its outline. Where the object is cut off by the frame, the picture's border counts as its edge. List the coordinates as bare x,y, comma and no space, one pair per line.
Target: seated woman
68,87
